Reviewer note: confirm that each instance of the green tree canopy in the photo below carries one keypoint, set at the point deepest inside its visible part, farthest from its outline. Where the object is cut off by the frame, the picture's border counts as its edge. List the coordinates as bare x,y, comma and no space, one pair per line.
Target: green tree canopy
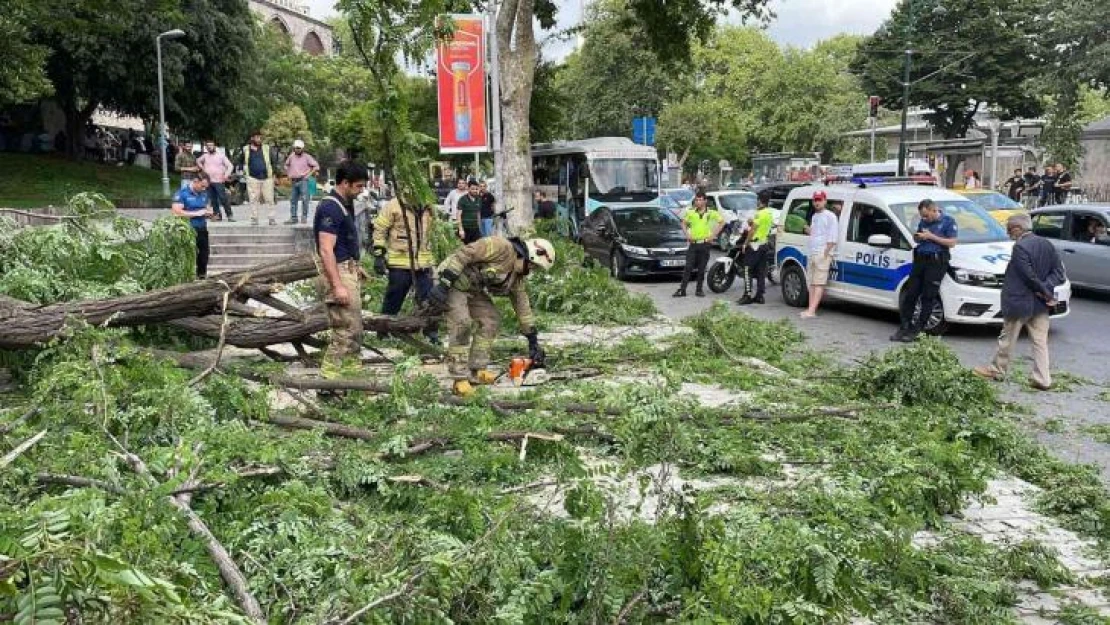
23,73
966,56
615,77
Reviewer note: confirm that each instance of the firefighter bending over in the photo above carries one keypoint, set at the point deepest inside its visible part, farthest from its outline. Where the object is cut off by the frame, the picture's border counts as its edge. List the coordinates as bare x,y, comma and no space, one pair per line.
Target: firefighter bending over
467,279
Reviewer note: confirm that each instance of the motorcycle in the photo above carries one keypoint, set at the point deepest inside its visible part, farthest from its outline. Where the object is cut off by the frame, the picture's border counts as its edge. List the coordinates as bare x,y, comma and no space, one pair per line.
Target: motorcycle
725,269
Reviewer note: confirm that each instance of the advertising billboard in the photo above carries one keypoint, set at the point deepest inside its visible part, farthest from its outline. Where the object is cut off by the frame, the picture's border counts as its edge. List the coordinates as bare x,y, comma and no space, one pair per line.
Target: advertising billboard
461,81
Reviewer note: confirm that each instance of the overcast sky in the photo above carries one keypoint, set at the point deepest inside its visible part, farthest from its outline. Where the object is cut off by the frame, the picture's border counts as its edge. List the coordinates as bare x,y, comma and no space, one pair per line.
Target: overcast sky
799,22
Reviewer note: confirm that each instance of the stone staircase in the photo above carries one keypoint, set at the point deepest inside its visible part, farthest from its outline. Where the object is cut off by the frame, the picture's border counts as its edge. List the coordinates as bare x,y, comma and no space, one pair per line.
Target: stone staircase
238,246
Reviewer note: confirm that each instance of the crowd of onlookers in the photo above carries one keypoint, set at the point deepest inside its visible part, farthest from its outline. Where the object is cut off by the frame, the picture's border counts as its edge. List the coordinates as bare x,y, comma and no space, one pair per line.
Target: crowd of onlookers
1033,189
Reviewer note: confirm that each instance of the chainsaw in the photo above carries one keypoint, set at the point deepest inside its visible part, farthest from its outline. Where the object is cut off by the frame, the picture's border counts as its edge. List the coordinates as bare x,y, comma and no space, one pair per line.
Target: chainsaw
533,372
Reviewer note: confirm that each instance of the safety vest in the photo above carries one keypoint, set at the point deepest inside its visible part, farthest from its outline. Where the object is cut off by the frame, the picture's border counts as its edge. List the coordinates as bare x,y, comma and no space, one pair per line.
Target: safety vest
265,157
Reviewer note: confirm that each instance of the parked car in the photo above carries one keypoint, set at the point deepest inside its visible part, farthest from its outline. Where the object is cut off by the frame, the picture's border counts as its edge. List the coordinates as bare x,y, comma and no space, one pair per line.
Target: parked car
682,195
672,205
874,253
998,205
635,240
1079,233
778,191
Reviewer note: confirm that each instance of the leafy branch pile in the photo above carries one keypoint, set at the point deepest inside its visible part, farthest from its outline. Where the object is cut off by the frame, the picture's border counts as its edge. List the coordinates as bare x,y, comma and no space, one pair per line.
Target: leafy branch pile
797,502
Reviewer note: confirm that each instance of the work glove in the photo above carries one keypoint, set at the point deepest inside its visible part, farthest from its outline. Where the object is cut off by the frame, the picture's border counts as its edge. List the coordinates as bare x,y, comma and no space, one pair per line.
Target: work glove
436,302
535,352
379,261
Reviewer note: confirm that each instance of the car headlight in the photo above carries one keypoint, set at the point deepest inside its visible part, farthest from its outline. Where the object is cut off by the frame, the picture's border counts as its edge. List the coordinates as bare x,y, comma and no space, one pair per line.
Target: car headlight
971,277
632,249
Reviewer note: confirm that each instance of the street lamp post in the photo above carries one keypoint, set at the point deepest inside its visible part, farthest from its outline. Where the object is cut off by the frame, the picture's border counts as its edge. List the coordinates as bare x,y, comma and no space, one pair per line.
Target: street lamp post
169,34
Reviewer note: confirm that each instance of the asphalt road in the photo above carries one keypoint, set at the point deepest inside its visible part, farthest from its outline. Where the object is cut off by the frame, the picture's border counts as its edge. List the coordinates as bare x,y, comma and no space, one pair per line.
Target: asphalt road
1078,343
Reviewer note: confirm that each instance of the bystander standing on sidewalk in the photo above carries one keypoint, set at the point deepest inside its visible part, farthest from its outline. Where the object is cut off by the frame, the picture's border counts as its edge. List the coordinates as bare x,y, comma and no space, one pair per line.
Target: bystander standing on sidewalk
299,166
185,164
1015,185
489,208
936,236
469,221
1063,183
192,201
260,177
451,204
1048,186
1032,188
823,232
218,168
1028,295
701,226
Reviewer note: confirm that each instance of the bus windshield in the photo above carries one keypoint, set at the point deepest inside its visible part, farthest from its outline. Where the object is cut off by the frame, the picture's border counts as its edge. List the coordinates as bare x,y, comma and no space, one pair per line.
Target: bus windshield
619,178
974,224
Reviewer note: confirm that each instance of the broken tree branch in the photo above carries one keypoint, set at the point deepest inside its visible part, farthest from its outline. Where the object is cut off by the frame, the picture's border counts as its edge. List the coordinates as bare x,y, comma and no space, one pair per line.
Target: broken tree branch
21,448
219,346
229,570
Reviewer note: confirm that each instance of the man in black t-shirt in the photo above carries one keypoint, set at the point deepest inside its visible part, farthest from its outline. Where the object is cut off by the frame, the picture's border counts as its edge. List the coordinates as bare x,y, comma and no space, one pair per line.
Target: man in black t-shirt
1016,185
488,203
1063,183
1048,186
1032,188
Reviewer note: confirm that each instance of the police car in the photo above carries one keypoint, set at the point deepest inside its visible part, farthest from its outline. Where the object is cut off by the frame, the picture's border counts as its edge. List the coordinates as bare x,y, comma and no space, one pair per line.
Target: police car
874,253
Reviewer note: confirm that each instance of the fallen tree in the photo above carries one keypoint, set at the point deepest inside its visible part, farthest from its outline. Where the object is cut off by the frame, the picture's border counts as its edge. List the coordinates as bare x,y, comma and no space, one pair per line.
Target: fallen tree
195,307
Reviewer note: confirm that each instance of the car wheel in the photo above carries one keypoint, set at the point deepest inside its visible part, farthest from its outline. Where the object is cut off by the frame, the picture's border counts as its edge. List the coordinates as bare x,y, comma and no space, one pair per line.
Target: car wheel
718,279
936,324
795,292
616,265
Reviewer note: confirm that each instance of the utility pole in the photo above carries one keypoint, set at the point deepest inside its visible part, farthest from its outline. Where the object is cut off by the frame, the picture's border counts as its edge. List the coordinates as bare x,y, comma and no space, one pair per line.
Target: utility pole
905,111
162,139
495,109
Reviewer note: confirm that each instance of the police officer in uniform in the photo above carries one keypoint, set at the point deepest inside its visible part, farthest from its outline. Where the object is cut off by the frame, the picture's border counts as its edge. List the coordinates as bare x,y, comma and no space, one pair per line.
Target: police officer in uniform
935,237
403,250
758,250
490,266
191,201
701,225
337,250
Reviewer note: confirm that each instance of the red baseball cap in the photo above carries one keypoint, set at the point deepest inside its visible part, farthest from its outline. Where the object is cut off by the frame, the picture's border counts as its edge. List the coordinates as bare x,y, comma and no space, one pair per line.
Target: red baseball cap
819,195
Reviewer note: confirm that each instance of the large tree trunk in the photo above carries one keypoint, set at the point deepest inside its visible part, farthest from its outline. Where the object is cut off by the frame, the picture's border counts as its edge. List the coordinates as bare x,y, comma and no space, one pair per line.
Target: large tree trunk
26,325
516,43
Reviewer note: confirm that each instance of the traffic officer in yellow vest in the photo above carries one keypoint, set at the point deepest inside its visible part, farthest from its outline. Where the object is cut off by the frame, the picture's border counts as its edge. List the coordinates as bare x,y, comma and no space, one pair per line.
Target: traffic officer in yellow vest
489,266
701,225
259,173
403,250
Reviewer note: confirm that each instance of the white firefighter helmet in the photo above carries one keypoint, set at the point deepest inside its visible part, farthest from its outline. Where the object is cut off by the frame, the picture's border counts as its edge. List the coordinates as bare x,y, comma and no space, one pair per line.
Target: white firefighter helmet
540,253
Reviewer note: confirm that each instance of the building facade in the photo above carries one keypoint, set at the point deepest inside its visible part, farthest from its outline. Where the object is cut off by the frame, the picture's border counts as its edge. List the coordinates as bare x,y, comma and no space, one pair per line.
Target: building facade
291,18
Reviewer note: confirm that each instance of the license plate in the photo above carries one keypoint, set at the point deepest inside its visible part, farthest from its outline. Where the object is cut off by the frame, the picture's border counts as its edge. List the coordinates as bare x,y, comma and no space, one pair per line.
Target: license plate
676,262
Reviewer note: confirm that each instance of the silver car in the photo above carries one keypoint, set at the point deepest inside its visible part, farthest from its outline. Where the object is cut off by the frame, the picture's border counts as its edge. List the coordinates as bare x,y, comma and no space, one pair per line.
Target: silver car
1079,234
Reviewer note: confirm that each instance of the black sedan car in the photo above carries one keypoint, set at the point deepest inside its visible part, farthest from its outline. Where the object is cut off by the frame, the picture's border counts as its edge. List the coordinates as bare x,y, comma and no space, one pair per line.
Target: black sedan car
635,240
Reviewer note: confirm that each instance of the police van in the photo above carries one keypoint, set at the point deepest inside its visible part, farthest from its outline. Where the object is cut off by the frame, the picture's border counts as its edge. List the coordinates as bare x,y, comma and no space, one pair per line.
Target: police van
874,252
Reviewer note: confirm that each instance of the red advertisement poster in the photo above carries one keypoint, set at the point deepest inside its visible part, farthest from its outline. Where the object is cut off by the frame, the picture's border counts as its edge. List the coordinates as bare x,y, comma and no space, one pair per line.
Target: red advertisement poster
461,79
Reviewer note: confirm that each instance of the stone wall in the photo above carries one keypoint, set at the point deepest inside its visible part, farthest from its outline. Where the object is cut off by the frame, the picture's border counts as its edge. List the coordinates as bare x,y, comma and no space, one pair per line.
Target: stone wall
291,18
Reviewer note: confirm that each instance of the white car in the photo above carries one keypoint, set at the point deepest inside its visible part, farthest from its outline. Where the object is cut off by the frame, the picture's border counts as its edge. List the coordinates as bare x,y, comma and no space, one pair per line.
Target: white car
682,195
875,252
735,207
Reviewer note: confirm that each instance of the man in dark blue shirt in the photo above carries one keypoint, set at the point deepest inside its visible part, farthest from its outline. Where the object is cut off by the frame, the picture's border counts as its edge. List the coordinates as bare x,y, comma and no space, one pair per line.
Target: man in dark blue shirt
338,285
1048,186
192,201
935,236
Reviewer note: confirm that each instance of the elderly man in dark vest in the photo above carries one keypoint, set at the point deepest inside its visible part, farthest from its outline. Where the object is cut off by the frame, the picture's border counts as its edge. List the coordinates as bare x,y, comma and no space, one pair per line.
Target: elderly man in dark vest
1028,295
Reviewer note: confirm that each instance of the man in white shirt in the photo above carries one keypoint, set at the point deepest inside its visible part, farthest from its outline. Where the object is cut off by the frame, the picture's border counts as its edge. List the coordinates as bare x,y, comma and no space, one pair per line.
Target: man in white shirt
451,204
823,233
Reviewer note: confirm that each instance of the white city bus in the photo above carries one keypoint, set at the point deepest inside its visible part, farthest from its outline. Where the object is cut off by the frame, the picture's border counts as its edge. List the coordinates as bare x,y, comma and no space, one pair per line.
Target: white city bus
581,176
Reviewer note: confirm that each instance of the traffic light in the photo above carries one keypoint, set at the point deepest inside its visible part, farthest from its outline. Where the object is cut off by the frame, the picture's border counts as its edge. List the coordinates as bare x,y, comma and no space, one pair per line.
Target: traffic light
873,104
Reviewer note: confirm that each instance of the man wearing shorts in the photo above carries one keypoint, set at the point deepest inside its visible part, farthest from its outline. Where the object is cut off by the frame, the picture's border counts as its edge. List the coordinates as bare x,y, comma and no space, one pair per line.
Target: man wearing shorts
823,233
